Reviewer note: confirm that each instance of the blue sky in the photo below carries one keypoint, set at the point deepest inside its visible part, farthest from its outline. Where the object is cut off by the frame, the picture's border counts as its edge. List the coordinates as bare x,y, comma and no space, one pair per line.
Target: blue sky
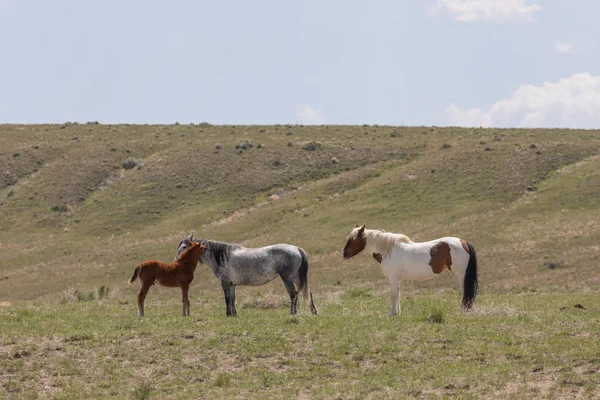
431,62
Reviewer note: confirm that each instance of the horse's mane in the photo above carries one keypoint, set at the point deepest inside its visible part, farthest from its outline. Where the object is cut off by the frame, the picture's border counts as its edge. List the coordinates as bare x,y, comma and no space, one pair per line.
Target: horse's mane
220,250
385,241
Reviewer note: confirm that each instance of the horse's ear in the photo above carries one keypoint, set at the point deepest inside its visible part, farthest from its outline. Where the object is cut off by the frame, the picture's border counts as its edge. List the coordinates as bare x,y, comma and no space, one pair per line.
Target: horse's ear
362,229
191,237
357,225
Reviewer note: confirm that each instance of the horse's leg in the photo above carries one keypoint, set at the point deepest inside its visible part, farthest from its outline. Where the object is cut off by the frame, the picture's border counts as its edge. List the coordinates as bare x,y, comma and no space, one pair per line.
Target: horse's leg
313,308
395,291
185,287
142,297
227,291
289,285
459,273
233,309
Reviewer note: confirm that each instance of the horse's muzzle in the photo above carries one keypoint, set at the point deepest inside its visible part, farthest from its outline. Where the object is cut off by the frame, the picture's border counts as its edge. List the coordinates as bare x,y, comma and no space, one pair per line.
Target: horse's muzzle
345,254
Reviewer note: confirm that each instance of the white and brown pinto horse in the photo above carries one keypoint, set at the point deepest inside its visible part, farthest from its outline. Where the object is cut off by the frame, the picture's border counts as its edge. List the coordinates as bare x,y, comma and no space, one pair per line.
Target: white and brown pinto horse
401,258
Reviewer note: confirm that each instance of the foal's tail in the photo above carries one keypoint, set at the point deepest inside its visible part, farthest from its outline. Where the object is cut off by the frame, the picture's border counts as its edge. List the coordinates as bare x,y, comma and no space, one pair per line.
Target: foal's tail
136,273
471,286
303,274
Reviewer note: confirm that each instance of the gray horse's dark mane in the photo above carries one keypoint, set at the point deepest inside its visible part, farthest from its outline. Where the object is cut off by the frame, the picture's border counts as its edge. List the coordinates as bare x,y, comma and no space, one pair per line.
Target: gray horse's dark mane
219,250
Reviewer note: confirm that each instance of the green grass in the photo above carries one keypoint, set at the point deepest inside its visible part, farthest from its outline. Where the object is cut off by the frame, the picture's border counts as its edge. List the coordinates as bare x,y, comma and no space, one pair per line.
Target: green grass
512,346
75,222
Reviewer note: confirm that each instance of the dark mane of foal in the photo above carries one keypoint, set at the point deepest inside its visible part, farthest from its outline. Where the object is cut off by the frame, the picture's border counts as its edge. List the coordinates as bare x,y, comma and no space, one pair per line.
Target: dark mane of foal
220,250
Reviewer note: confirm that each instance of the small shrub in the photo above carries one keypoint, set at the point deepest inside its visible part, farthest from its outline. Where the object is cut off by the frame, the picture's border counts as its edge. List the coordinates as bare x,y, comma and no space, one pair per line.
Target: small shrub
142,392
244,145
359,292
223,380
132,163
72,294
446,146
78,337
265,301
437,315
553,265
311,146
60,208
102,292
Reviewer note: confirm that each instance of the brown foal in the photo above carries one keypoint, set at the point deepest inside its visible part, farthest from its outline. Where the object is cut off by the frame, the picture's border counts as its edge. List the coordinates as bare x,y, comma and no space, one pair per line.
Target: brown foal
179,273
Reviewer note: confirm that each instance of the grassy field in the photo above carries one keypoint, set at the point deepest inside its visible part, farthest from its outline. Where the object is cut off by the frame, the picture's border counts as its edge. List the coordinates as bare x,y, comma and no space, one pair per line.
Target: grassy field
75,221
518,345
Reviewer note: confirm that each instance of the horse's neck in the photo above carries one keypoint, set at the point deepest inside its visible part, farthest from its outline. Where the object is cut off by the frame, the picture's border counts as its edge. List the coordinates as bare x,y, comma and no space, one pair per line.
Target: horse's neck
190,259
379,244
218,254
371,246
188,262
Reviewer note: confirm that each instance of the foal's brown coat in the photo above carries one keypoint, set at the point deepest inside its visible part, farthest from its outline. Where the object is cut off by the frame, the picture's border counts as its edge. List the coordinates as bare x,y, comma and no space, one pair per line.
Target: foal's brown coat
179,273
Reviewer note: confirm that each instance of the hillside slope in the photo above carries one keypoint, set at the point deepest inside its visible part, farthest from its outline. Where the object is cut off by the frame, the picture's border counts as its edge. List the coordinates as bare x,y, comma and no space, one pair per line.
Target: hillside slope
529,200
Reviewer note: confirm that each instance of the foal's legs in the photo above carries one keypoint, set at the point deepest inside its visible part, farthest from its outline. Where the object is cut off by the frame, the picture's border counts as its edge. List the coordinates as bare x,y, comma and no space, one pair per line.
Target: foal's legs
229,291
186,299
395,291
142,297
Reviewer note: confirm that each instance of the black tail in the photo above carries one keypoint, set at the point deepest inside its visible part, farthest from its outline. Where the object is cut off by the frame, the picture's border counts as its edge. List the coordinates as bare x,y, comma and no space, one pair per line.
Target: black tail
303,274
471,286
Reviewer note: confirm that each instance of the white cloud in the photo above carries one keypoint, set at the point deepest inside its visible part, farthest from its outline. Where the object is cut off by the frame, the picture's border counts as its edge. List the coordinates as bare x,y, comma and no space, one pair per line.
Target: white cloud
565,47
306,115
485,10
572,102
572,48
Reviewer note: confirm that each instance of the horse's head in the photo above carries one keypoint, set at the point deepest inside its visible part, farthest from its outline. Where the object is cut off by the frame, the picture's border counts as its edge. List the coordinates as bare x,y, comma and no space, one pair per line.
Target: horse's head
356,242
189,242
198,245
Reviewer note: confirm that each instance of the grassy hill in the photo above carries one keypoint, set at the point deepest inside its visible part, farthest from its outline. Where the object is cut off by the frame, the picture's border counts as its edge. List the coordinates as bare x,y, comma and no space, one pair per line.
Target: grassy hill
74,222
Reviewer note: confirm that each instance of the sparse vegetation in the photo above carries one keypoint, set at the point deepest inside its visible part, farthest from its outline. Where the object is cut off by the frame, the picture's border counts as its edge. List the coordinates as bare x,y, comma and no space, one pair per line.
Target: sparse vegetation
436,315
60,208
132,163
519,345
359,292
76,220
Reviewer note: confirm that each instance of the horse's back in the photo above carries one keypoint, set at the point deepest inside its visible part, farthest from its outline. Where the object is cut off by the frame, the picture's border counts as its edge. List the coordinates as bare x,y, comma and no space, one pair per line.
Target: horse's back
256,266
274,250
425,260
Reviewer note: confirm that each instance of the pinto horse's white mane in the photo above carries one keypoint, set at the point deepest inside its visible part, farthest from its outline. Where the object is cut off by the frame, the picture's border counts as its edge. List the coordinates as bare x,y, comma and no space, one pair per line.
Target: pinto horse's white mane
385,241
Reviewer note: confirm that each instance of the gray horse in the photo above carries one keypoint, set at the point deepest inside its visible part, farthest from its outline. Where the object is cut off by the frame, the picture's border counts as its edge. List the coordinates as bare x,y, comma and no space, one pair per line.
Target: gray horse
235,265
